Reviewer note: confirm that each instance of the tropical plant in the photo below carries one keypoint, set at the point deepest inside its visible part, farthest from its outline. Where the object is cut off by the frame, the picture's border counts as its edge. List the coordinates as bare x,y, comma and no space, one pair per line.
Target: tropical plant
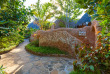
96,60
28,32
2,70
12,14
43,12
100,10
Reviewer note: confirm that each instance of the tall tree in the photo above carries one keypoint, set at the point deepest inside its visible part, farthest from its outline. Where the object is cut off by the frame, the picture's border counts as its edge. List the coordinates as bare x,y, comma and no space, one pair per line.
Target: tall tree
68,8
12,14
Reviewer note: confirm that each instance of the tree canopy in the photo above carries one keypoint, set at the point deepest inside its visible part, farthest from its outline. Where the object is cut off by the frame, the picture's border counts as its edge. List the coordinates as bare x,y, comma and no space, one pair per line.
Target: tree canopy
99,10
12,14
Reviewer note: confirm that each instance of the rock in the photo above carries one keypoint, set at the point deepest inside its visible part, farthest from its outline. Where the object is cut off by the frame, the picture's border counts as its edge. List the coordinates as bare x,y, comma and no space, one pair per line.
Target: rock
34,71
70,63
54,72
58,65
26,67
38,63
50,69
62,72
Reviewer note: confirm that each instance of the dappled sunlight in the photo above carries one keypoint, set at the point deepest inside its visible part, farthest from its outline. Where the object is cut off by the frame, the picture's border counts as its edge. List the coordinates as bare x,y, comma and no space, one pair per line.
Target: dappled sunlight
22,62
54,36
18,50
14,58
12,68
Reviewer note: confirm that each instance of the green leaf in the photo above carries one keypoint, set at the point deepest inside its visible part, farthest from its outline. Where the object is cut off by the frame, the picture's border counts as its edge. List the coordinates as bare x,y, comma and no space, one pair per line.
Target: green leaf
85,66
107,55
96,15
86,55
91,67
108,34
95,57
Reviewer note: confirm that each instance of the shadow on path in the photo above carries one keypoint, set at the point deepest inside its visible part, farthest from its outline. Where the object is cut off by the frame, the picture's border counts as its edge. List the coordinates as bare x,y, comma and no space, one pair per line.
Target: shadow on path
19,61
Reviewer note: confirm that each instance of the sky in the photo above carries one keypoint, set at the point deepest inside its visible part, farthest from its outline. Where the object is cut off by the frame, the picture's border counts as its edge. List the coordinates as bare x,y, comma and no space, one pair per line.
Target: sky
29,2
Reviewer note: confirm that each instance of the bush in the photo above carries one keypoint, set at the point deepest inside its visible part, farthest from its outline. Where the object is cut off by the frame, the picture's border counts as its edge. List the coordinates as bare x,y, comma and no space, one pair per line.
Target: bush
96,61
34,47
77,72
9,42
61,24
28,32
13,37
36,43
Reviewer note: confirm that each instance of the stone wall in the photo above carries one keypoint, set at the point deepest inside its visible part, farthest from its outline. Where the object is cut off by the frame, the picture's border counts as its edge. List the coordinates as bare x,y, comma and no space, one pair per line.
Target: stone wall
67,38
60,39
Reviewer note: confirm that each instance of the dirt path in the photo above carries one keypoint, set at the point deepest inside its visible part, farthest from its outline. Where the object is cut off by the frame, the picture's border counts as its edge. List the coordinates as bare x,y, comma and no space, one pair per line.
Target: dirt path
19,61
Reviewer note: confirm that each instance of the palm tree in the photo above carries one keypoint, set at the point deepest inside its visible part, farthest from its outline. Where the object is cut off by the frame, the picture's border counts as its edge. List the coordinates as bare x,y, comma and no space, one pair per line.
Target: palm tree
44,12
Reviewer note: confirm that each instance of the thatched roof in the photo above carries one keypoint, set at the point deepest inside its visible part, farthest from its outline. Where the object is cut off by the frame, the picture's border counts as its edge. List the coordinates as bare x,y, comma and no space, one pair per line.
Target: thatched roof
72,24
33,25
85,18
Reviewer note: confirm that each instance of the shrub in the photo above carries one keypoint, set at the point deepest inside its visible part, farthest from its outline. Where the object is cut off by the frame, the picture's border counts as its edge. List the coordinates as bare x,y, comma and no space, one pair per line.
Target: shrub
9,42
96,61
36,43
77,72
28,32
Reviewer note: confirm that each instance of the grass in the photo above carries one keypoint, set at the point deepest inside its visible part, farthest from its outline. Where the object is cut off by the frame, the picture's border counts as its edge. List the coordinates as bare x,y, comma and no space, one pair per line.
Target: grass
34,47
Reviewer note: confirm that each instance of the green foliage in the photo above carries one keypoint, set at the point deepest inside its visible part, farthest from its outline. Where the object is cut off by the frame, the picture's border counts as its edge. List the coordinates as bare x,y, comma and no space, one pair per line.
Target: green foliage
43,12
13,14
62,24
14,37
36,43
77,72
28,32
13,20
70,7
68,10
8,42
34,47
95,60
47,25
62,19
2,70
100,10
